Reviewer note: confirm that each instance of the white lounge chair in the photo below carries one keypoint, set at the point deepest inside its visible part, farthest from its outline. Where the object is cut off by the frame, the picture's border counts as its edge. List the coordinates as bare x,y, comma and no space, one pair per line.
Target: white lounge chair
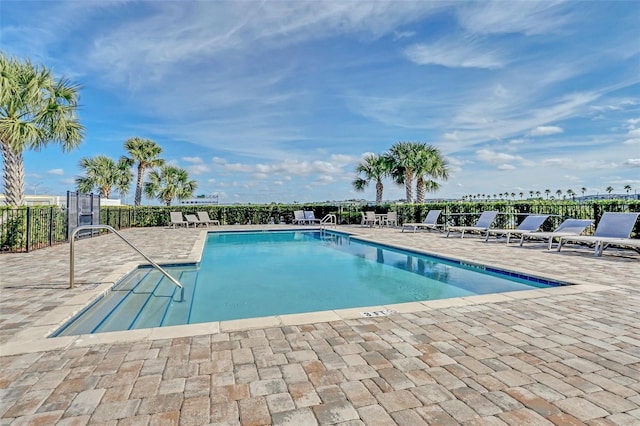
566,228
204,218
298,217
429,222
613,228
192,219
484,222
530,223
310,217
177,220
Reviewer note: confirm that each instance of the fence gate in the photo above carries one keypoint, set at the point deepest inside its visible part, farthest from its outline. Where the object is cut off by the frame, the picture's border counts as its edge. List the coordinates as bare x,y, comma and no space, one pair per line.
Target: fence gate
82,209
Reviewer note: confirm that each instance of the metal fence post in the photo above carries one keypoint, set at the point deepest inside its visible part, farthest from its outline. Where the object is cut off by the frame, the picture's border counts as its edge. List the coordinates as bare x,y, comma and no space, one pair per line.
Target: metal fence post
28,212
50,226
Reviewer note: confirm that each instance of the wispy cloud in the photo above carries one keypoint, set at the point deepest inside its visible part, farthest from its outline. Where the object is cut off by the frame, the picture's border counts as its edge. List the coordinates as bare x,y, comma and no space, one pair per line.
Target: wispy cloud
545,131
456,53
56,172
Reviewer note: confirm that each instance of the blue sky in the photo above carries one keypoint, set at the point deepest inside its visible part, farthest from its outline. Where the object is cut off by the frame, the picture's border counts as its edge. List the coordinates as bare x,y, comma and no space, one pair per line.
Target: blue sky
278,101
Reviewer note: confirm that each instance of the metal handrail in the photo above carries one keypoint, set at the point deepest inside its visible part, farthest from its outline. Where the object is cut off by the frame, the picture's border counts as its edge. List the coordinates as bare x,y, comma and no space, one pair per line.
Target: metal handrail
112,229
330,219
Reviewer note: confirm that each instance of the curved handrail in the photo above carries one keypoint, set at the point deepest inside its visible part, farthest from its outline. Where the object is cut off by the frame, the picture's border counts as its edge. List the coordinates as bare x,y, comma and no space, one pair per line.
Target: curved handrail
330,219
112,229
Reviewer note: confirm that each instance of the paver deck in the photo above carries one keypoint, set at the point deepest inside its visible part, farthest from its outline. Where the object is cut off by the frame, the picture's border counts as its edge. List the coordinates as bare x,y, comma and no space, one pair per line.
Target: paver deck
565,356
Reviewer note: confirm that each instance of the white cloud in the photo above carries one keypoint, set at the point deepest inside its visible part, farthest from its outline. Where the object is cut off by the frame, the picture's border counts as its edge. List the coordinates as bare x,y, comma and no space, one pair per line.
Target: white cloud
496,157
496,17
635,133
546,131
198,169
506,167
56,172
456,54
632,162
193,160
634,141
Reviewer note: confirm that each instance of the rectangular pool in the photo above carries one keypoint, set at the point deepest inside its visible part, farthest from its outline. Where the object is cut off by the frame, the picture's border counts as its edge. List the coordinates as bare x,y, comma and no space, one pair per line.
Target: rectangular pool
256,274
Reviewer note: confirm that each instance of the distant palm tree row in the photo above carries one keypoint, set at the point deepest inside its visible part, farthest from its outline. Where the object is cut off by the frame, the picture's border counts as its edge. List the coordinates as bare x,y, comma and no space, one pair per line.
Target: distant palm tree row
402,163
569,193
165,183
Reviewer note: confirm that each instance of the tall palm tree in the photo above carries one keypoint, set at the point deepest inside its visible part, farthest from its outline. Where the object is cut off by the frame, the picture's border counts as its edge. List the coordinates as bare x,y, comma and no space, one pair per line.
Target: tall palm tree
103,173
627,188
559,192
583,190
372,168
429,165
168,183
146,154
609,190
36,109
571,193
403,158
531,194
538,194
547,191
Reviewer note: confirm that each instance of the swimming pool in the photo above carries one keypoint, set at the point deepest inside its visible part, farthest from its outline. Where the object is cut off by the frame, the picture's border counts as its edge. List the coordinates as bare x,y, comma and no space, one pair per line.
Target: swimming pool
256,274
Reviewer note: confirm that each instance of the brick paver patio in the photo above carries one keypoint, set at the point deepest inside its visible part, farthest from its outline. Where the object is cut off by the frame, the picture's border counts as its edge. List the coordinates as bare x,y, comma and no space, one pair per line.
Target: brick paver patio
565,356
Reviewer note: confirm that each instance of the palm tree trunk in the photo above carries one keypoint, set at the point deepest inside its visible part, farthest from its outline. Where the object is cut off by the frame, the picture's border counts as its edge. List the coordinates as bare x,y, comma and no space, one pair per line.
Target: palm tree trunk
13,175
138,198
408,185
379,187
420,189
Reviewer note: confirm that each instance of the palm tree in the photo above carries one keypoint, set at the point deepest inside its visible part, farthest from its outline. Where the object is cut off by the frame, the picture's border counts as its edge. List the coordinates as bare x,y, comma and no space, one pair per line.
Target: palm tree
35,110
145,153
169,183
571,193
531,194
372,168
430,165
547,191
583,190
627,188
103,173
538,194
609,190
559,192
403,157
521,195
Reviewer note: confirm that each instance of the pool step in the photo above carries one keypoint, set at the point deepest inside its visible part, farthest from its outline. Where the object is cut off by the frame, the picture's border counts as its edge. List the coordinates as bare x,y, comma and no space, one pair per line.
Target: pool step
146,289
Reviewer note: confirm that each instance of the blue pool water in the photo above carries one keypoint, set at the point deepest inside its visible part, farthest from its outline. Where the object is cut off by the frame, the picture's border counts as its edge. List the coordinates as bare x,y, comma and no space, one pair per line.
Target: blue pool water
254,274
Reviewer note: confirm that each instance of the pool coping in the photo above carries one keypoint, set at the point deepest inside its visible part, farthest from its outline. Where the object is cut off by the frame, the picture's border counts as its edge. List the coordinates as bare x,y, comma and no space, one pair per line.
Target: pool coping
34,339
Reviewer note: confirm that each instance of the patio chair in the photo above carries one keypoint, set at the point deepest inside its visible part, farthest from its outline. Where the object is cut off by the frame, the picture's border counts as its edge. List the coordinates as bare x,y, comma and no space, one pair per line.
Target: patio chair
370,218
529,224
484,222
429,222
298,218
192,219
613,228
391,218
204,218
566,228
177,219
310,217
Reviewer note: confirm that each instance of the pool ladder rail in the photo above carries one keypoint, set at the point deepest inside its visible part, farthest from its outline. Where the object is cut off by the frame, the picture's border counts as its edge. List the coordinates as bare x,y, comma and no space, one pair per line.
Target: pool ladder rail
329,219
112,229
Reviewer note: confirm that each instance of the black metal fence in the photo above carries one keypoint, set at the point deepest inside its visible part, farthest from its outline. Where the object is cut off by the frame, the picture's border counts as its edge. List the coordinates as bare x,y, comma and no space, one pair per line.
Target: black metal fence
28,228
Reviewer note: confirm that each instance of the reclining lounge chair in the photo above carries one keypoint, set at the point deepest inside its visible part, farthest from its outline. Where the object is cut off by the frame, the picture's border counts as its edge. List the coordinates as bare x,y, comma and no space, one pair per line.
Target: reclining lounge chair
529,224
566,228
204,218
482,225
429,222
612,229
177,219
